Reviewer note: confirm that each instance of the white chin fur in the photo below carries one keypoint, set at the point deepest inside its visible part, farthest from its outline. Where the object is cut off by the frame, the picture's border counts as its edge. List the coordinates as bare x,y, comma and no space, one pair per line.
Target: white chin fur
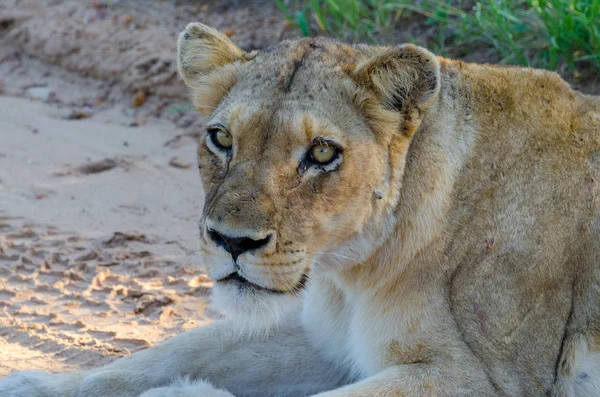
253,312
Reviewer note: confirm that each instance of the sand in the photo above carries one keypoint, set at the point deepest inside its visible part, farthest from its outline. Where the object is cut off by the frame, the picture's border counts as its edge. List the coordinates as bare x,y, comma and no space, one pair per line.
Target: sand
130,42
97,237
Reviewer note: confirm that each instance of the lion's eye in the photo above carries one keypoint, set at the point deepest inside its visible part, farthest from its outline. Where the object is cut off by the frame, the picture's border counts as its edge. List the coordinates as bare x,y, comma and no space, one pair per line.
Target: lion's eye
221,138
322,154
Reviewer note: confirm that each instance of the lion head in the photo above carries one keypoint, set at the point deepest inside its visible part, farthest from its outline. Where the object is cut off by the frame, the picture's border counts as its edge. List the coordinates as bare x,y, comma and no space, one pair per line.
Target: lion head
302,157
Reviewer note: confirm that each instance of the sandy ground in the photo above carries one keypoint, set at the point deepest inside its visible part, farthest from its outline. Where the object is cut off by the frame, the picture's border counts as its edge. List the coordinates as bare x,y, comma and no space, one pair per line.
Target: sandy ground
97,237
130,42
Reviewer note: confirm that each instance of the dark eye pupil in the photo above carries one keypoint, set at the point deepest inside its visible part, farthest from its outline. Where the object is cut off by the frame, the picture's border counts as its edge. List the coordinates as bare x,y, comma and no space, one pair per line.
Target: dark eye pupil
222,139
322,154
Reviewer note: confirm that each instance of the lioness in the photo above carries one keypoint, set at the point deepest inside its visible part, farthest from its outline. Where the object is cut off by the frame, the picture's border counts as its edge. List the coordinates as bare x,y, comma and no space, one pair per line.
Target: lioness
381,222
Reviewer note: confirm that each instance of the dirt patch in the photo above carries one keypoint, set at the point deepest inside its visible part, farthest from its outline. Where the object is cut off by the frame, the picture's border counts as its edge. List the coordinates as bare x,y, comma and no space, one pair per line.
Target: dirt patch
119,239
179,163
58,300
129,276
98,166
129,43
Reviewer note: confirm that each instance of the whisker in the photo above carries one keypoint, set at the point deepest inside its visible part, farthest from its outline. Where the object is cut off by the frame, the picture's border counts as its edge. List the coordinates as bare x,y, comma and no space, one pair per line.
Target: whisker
356,261
322,266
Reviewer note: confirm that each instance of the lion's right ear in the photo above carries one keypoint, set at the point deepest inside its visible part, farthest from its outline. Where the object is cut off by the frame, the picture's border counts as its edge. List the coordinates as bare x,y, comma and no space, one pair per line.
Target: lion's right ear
202,49
404,79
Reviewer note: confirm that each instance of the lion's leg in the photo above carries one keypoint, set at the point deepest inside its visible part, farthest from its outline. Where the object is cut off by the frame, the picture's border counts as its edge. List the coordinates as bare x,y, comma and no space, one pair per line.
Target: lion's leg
421,379
187,389
578,371
587,383
284,363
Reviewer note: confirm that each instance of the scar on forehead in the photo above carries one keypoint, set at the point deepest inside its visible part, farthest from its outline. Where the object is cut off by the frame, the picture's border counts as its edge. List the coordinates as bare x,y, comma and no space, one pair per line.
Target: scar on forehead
295,60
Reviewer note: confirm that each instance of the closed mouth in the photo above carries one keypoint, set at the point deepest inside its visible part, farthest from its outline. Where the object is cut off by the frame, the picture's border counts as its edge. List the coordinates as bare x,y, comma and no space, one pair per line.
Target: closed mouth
243,283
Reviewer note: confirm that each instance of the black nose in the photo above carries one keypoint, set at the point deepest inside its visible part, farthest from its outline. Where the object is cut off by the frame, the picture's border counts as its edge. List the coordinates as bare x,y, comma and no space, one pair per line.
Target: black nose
237,245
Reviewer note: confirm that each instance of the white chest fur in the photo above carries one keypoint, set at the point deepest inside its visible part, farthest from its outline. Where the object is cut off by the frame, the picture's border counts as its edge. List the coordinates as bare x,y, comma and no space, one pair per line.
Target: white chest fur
366,333
343,328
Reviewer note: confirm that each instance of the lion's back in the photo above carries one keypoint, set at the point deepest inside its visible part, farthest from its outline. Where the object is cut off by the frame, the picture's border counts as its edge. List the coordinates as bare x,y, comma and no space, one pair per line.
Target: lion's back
525,220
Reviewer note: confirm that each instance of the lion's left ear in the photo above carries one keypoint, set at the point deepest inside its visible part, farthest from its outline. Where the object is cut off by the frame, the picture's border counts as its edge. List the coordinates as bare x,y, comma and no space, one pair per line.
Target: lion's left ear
404,79
202,49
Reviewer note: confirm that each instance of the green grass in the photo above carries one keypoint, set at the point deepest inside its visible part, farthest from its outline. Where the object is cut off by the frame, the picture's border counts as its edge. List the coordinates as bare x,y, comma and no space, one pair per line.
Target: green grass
552,34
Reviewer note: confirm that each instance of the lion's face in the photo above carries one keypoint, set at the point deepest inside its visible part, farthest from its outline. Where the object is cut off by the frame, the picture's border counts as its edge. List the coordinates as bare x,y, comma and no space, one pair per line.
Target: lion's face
284,184
304,149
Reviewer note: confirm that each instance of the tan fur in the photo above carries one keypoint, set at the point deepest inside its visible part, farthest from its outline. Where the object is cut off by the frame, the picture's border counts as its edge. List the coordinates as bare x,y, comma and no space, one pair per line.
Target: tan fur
455,250
494,257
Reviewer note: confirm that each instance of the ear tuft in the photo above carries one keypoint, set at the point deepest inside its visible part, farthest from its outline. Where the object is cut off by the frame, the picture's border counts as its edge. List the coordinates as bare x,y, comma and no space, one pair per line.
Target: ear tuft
403,78
201,49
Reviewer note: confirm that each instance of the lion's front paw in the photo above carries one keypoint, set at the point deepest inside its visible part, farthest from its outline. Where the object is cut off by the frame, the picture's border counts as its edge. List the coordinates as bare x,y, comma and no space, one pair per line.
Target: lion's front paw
77,384
187,389
113,383
37,384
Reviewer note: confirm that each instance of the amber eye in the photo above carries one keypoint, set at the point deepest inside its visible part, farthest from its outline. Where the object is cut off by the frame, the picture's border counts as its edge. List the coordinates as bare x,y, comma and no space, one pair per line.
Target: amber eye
322,154
221,137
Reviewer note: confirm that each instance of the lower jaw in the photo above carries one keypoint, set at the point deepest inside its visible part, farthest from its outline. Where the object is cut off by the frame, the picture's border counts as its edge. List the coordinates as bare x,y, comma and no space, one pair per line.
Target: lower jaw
243,284
246,285
253,311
